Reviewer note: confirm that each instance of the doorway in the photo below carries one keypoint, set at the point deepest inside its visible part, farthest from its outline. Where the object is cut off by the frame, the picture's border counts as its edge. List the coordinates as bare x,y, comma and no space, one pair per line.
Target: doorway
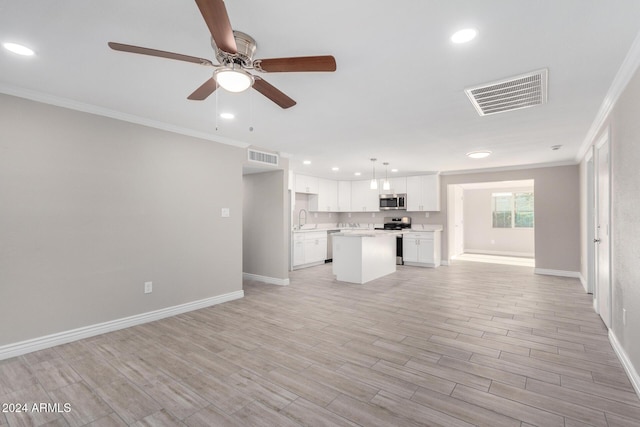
492,222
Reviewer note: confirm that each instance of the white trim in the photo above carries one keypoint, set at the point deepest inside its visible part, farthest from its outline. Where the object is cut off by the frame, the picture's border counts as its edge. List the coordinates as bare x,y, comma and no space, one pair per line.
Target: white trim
40,343
620,81
511,168
561,273
266,279
503,253
311,264
634,378
105,112
445,262
583,282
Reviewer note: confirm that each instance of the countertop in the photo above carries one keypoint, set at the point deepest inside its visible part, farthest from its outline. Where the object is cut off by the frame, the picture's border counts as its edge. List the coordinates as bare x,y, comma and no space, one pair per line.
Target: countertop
368,233
416,227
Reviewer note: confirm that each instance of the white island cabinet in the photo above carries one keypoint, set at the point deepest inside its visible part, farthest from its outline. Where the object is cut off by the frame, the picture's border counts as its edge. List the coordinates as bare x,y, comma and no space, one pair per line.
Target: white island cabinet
362,256
421,248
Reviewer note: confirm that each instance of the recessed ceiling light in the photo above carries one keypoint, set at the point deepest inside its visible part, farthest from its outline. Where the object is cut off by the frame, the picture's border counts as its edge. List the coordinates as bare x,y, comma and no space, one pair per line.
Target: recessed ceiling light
18,49
306,162
394,170
357,173
464,36
228,116
335,169
479,154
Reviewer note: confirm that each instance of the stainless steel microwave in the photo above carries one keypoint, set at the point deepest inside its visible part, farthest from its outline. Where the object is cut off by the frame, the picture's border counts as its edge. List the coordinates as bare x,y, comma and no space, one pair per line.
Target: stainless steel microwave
390,202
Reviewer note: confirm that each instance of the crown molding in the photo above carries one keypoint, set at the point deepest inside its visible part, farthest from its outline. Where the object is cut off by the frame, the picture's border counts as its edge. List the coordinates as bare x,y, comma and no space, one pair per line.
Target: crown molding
511,168
620,81
113,114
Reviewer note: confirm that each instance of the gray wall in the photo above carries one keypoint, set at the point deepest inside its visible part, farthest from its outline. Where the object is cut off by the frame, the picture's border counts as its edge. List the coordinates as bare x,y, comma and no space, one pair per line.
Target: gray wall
557,210
625,218
266,224
92,207
479,234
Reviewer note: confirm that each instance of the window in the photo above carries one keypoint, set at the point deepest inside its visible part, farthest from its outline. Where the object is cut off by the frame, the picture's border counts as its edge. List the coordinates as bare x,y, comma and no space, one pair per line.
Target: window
512,210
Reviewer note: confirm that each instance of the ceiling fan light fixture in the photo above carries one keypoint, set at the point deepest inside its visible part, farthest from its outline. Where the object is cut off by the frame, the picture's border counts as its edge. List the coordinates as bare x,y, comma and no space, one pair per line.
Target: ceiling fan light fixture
233,79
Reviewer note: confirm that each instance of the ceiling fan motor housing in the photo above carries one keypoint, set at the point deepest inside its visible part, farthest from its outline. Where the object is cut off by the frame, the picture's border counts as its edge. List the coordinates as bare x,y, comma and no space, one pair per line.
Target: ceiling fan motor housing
246,46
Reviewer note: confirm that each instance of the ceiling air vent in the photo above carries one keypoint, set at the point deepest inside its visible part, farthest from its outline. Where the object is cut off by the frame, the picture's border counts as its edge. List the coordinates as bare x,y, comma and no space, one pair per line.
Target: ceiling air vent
526,90
262,157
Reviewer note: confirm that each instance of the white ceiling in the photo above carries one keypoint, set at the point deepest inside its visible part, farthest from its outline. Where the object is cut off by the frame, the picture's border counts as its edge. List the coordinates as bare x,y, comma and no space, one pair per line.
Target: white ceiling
397,95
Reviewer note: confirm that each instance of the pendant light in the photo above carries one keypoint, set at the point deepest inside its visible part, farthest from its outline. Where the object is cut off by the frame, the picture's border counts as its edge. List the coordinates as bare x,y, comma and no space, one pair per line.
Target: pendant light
374,183
386,185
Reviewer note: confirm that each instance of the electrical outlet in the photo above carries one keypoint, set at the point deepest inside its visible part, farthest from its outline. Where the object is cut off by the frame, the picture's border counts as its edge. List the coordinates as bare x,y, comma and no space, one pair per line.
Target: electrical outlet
624,317
426,214
148,287
373,215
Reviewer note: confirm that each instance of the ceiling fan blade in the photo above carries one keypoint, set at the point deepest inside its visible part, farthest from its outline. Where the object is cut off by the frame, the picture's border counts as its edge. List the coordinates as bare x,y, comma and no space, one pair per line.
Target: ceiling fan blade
300,63
204,91
272,93
215,15
159,53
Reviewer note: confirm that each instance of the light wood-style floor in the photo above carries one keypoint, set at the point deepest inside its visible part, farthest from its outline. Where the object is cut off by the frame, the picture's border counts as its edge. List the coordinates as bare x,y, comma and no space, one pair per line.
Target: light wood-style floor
469,344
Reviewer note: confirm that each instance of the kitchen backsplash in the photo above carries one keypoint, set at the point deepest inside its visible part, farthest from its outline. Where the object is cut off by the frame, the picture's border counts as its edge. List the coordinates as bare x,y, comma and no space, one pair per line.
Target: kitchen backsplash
302,202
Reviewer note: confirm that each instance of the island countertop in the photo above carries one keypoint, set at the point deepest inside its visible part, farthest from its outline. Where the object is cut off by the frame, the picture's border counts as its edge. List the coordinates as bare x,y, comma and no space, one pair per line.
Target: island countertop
368,233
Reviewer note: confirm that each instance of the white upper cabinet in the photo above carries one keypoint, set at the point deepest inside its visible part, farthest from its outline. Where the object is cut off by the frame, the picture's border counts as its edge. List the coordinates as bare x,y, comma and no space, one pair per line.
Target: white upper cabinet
327,198
344,196
363,198
423,193
397,186
306,184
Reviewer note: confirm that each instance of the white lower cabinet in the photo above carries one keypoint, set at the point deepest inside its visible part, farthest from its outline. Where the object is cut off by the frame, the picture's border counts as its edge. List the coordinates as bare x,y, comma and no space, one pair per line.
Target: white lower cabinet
309,248
421,249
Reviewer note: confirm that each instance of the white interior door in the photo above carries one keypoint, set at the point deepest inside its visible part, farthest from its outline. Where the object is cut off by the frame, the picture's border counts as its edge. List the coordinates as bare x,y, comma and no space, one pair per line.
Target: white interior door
603,232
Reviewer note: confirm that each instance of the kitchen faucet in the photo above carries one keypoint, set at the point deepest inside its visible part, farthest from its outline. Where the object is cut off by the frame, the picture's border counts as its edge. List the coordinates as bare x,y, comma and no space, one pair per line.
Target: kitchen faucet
299,218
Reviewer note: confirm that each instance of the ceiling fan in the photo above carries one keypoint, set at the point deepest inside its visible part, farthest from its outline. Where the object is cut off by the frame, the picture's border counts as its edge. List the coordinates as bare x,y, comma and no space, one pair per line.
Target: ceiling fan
234,52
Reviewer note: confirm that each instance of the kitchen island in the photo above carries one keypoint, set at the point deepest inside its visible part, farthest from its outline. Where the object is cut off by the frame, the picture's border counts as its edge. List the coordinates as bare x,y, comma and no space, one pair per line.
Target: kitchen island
362,256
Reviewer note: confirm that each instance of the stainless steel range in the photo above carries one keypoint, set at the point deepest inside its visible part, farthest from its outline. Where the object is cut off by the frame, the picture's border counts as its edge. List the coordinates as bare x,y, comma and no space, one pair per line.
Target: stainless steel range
397,223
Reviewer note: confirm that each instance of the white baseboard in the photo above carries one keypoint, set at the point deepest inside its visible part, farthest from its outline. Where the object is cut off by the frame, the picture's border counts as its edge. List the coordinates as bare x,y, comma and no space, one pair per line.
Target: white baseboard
583,282
626,363
501,253
35,344
561,273
266,279
445,262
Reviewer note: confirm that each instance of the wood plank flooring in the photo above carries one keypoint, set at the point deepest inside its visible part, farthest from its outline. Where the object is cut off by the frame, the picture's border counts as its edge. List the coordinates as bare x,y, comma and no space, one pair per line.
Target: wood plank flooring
469,344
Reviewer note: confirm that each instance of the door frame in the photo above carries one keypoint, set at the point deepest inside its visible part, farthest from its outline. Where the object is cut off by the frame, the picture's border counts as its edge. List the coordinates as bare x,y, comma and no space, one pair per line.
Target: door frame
600,289
591,224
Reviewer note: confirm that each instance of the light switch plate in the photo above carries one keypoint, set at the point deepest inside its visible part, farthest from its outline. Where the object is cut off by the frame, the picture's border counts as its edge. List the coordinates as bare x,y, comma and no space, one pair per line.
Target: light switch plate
148,287
224,212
